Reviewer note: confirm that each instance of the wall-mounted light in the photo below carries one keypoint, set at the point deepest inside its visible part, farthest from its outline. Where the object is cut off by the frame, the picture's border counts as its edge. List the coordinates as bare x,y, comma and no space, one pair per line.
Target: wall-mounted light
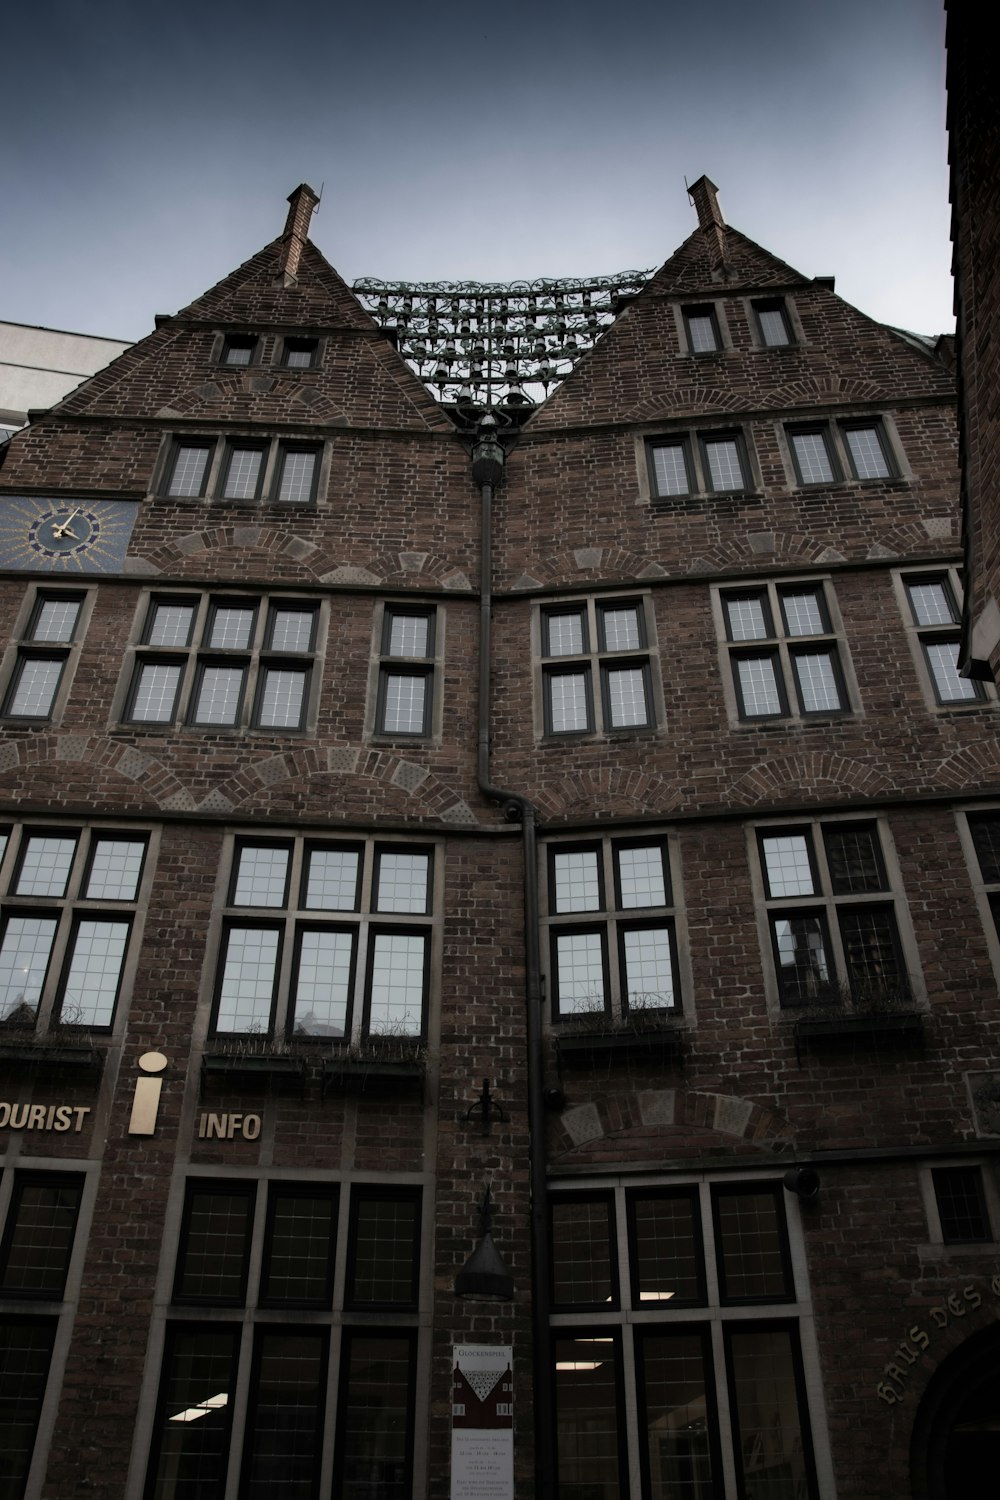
803,1182
484,1273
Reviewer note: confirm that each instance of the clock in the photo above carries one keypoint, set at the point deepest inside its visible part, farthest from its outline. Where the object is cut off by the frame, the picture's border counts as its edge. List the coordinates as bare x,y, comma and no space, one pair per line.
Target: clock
63,536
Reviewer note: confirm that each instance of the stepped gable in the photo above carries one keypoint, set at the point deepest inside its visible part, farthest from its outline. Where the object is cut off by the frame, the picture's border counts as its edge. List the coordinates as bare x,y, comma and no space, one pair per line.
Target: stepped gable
361,380
638,372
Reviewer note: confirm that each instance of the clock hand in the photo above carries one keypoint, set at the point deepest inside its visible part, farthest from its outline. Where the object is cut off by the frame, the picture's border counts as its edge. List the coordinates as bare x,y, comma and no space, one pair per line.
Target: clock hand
64,529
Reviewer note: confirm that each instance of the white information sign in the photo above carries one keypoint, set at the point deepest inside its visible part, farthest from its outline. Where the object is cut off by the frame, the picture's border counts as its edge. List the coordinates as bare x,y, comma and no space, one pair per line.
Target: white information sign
482,1422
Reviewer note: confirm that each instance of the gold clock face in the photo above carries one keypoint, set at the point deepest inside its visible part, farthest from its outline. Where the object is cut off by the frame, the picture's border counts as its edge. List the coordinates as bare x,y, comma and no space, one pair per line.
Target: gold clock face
64,536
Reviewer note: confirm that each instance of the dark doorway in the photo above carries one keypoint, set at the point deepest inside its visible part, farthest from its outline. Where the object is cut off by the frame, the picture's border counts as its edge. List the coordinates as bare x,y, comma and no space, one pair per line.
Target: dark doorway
956,1435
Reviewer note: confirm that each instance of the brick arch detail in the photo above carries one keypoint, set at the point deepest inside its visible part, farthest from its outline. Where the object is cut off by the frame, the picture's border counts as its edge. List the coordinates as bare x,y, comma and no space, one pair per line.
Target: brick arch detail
96,751
825,388
427,791
702,400
968,766
815,772
410,569
911,537
649,1114
611,563
227,387
788,546
612,789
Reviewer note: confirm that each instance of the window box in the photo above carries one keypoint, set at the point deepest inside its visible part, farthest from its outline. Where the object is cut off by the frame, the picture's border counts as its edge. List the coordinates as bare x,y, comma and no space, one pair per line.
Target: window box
358,1074
48,1054
660,1042
820,1031
253,1065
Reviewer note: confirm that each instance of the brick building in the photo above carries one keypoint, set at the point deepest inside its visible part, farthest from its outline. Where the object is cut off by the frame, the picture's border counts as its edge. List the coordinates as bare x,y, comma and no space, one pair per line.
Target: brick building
551,685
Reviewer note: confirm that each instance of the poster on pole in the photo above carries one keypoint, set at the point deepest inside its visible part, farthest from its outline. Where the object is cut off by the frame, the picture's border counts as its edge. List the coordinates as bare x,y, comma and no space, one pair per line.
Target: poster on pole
482,1422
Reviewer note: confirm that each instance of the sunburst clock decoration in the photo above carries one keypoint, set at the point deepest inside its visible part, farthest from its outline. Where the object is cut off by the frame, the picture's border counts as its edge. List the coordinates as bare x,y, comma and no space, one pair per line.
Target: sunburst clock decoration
64,536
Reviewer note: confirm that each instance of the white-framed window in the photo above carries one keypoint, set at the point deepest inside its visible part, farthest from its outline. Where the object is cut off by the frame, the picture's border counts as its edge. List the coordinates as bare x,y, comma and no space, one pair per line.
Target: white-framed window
326,939
244,470
834,925
784,650
960,1198
268,1314
225,661
43,654
931,603
615,927
681,1337
597,666
714,462
72,901
830,452
409,666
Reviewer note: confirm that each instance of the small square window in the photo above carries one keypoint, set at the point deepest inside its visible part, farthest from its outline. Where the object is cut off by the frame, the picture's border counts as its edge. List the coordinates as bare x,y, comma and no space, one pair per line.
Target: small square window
702,328
671,464
239,349
299,354
772,320
33,688
961,1205
55,619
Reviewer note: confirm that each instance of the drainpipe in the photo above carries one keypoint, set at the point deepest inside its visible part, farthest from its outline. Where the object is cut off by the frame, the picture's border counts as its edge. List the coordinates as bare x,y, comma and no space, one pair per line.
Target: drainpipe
487,471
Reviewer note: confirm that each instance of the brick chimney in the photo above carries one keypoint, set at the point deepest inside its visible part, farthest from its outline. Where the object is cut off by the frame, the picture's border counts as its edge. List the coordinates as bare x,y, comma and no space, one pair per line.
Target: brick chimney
705,196
302,202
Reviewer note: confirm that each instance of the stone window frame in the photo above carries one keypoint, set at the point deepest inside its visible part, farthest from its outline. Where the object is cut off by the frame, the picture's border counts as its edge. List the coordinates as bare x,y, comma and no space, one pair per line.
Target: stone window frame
693,444
826,902
784,304
219,447
384,663
25,645
255,660
989,1199
291,919
612,920
982,694
833,428
230,344
626,1320
337,1324
299,343
709,308
596,663
50,1313
782,647
73,907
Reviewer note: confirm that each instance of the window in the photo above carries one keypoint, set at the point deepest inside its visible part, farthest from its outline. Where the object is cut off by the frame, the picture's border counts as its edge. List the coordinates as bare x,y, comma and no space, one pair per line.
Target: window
253,664
828,452
612,923
250,470
596,675
280,1386
238,349
933,614
984,828
832,920
773,323
784,657
50,640
961,1205
705,463
406,671
299,353
701,328
35,1250
326,939
70,904
694,1338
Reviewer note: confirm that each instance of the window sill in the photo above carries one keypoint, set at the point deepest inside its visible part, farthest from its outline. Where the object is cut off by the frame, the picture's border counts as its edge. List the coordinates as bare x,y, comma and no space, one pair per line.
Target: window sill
834,1031
359,1075
590,1048
274,1065
51,1055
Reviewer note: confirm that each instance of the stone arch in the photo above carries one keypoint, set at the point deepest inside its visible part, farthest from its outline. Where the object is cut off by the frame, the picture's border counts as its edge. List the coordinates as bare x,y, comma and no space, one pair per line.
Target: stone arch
267,540
813,772
260,387
825,389
961,1400
684,401
95,751
759,549
968,766
655,1122
591,564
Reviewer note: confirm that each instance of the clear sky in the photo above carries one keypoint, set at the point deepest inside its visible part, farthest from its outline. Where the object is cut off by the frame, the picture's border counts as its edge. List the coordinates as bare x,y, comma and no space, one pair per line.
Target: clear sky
149,147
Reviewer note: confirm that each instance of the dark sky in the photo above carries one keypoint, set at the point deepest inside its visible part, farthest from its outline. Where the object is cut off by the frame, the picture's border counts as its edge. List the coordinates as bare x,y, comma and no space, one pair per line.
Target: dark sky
150,147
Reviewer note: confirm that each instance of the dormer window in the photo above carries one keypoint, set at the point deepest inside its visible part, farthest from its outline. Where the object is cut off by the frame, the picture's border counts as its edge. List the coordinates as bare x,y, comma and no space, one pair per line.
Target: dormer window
239,349
299,354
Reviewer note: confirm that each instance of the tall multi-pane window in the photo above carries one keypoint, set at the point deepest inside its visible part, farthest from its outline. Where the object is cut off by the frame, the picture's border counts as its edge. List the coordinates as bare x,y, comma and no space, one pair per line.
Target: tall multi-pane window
280,1388
832,916
326,939
70,903
773,322
827,452
406,676
596,667
984,828
934,616
701,326
224,662
36,1246
784,656
686,1350
46,647
612,925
